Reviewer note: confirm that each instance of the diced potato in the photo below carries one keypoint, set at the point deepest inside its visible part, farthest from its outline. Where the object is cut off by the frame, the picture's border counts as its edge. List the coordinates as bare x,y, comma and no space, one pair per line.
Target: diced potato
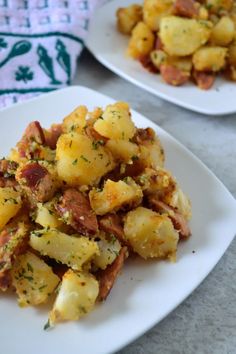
158,181
141,41
128,17
151,234
116,123
109,248
232,54
46,215
203,13
158,57
223,32
152,154
154,10
70,250
33,279
123,150
182,63
215,6
45,153
80,161
179,201
115,195
209,59
75,121
10,204
183,36
77,296
15,156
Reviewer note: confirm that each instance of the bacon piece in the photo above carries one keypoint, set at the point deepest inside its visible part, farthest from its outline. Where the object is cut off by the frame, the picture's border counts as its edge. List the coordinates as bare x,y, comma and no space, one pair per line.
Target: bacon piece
147,63
178,220
186,8
111,224
52,135
108,276
13,242
37,181
33,133
204,80
75,208
173,76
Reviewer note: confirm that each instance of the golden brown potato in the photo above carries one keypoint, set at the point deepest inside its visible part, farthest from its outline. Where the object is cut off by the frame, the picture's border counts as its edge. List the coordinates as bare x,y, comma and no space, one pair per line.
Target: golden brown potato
215,6
80,161
109,248
73,251
46,215
151,234
128,17
76,297
10,204
141,41
154,10
75,121
223,32
33,280
158,57
183,36
115,122
115,195
123,150
209,59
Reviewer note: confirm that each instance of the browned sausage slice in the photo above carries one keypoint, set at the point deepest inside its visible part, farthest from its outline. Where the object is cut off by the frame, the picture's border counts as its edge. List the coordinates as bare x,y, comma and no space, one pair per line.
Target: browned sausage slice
37,181
111,224
75,208
178,220
33,133
108,276
186,8
204,80
147,63
173,76
52,135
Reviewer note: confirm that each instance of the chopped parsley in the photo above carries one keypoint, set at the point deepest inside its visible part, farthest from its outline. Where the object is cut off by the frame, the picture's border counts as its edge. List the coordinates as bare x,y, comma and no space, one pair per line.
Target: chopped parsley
75,162
84,158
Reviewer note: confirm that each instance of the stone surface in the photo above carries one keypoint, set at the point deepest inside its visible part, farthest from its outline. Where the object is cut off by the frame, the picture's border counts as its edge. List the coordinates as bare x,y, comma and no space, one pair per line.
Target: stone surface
206,322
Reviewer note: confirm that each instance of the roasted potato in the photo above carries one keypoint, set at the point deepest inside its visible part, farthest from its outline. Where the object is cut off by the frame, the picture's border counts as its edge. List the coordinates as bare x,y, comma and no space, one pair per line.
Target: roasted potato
141,41
155,10
128,17
223,32
123,150
75,121
209,59
10,204
109,248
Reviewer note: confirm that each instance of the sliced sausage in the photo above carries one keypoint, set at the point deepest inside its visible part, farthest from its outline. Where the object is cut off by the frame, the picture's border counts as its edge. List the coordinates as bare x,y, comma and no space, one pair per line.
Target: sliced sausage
108,276
111,224
186,8
33,134
173,76
204,80
75,208
147,63
143,135
158,44
52,135
178,220
7,168
37,181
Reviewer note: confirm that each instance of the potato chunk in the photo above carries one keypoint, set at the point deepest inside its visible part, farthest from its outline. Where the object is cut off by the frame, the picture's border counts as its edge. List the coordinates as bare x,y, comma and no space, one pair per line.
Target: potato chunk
123,150
75,121
10,204
79,161
116,123
209,58
33,279
223,32
115,195
77,295
182,36
46,215
109,248
151,234
128,17
154,10
70,250
216,5
141,42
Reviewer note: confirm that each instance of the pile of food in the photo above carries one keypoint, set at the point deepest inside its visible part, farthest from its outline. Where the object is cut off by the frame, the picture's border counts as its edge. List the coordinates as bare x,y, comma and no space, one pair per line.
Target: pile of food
182,39
76,200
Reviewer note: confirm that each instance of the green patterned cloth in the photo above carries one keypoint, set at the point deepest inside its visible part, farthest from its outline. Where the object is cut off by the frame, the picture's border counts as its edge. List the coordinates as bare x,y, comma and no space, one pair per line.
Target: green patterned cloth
40,41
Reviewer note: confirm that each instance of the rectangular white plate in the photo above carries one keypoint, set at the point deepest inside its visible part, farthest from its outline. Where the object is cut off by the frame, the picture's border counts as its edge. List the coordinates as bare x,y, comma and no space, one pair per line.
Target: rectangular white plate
146,291
109,47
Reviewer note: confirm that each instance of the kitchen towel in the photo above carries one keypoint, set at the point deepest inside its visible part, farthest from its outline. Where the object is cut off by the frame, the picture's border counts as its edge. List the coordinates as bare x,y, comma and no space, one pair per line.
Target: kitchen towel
40,41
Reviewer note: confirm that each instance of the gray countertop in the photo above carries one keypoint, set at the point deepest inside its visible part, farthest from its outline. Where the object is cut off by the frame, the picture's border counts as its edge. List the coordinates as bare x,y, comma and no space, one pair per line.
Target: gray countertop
205,323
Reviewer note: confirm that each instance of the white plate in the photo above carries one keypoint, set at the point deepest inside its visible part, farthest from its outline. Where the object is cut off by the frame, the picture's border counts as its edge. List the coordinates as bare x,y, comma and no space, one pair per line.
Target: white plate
146,291
109,47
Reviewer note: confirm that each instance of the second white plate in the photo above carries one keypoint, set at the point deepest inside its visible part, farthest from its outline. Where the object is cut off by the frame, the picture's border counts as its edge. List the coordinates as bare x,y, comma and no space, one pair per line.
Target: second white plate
109,47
